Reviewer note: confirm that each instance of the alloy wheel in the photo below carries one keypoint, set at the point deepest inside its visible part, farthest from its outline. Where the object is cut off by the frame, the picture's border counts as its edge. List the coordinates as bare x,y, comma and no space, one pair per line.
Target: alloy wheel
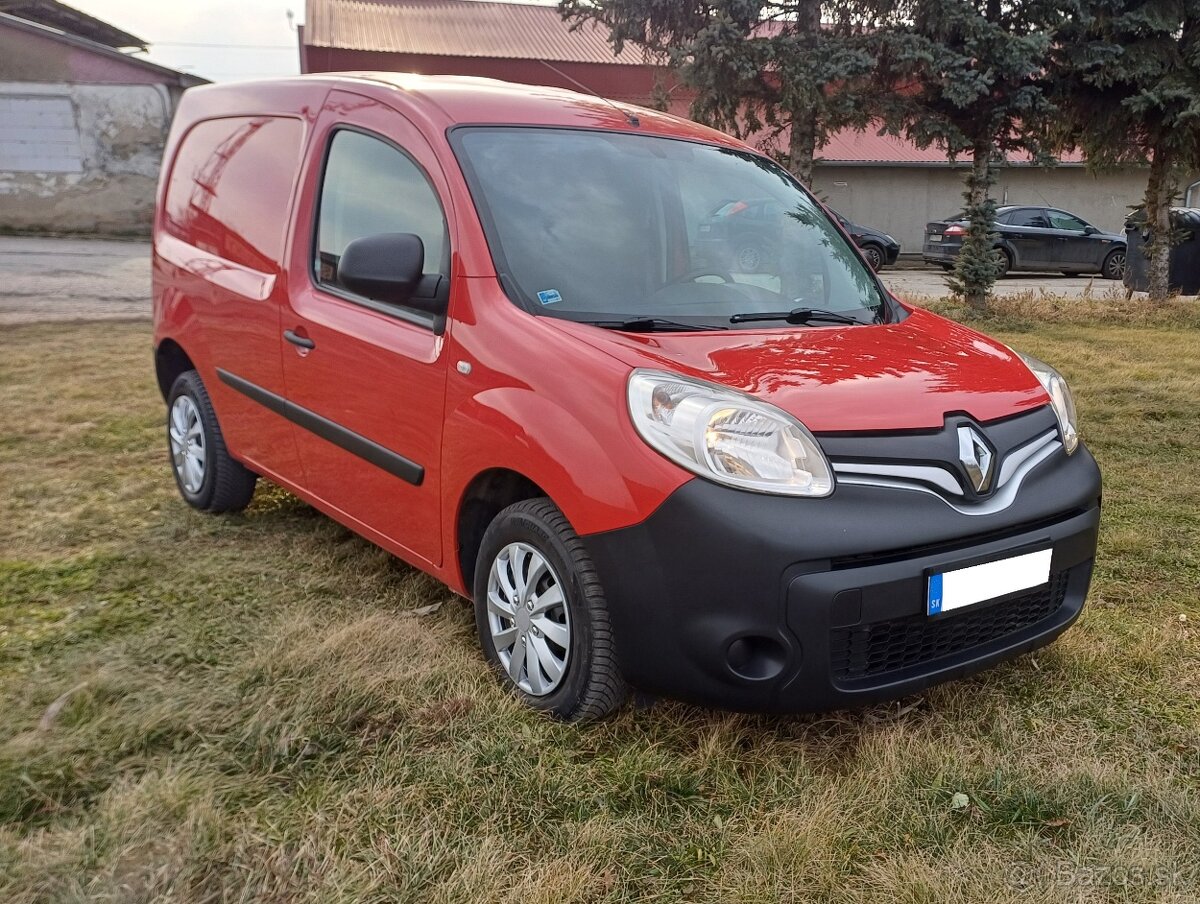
1114,267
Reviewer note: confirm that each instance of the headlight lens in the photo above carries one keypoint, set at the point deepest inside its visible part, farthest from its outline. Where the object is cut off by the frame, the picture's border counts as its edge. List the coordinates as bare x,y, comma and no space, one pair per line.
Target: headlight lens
726,437
1061,399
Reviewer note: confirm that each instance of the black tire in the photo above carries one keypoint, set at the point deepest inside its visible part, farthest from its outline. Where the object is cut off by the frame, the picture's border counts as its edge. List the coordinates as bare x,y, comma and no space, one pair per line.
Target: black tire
227,485
591,685
1114,265
1003,262
949,268
874,255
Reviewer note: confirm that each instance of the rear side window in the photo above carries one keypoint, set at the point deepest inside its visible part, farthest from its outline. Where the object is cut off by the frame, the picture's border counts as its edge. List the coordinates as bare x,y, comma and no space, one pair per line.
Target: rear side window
371,188
1029,216
231,188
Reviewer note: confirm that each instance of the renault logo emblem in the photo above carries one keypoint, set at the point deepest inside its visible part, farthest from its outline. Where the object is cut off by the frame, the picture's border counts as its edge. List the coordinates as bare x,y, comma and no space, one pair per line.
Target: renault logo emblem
976,457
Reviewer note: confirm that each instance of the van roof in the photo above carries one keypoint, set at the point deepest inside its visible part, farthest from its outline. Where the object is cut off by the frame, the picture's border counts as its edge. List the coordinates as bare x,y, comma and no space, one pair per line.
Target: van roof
457,100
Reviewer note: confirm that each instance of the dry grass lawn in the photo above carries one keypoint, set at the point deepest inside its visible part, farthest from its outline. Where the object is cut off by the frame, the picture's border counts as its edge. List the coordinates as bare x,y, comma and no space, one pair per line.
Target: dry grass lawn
248,708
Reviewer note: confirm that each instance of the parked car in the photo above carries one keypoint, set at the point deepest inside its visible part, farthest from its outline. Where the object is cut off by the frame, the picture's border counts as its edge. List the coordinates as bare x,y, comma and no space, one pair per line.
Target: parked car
877,246
476,324
1034,238
742,236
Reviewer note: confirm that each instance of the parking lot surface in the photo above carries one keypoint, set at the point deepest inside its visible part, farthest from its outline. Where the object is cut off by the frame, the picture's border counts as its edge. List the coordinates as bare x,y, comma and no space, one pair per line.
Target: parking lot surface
60,279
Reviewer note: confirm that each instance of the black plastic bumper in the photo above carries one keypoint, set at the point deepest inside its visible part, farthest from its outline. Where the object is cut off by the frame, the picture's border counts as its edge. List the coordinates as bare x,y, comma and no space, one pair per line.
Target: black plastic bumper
754,602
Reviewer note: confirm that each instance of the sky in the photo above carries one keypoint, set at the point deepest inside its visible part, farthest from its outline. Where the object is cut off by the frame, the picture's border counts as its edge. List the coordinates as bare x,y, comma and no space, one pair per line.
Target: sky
219,40
216,39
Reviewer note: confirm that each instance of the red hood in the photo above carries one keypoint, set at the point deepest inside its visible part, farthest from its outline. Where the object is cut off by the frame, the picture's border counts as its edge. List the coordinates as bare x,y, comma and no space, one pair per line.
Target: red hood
899,376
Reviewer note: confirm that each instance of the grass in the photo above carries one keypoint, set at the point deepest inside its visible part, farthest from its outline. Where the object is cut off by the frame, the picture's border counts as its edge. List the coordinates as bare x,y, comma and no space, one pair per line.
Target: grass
249,708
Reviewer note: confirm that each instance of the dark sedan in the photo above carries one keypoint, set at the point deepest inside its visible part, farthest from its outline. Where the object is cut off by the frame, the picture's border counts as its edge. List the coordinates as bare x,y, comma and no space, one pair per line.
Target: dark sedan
1034,238
879,248
742,236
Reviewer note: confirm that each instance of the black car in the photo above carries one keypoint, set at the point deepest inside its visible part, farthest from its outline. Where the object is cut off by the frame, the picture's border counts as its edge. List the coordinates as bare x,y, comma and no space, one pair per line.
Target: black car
1034,238
742,236
879,248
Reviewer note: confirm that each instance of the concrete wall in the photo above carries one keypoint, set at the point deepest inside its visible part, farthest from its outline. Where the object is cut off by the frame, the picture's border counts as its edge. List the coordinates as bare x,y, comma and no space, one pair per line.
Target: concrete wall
121,133
901,200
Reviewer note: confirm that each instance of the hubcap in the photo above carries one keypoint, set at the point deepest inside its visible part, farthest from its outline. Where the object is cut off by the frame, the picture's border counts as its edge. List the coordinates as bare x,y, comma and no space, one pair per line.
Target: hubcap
187,443
749,259
1116,266
528,620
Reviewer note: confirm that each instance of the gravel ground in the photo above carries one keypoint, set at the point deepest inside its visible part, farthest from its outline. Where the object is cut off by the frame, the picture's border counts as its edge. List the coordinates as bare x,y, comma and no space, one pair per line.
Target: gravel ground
61,279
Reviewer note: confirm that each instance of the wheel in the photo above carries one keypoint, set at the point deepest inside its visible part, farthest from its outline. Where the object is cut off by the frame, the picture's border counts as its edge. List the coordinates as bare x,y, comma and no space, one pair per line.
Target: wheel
750,257
1003,262
207,476
541,615
1114,264
874,256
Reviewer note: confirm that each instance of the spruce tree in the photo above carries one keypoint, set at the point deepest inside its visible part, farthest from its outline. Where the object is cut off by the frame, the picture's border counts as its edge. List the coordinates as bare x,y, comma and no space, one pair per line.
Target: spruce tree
964,75
764,71
1126,74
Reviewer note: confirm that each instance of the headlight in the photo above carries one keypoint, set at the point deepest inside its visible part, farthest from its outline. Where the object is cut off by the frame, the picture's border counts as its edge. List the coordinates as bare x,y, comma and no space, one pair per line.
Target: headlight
726,437
889,239
1061,399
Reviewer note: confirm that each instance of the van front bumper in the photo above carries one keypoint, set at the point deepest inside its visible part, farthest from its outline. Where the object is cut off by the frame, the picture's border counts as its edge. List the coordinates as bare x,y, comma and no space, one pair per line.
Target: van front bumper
766,603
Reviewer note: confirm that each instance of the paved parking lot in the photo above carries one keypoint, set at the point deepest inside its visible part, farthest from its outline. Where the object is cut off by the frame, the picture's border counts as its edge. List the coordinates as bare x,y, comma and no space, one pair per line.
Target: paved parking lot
48,279
45,279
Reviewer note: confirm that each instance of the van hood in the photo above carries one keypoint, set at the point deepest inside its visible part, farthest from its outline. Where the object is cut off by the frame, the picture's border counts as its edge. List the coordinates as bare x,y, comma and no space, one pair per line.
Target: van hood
898,376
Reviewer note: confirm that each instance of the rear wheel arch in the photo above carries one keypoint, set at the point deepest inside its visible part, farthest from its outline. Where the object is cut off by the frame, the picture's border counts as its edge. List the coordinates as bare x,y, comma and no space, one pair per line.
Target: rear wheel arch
170,361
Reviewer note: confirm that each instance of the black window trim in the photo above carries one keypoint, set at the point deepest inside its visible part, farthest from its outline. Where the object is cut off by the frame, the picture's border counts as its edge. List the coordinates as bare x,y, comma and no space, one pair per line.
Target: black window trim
436,323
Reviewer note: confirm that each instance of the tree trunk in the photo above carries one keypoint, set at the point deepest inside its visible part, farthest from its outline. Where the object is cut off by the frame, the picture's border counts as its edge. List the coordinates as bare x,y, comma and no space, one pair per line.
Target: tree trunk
975,270
802,145
1158,221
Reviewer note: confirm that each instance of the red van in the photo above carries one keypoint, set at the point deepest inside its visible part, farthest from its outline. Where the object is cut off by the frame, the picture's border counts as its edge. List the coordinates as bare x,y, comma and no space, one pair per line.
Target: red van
487,327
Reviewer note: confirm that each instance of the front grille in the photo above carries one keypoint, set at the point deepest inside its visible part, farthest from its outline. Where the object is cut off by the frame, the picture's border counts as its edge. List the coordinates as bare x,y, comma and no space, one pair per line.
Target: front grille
864,651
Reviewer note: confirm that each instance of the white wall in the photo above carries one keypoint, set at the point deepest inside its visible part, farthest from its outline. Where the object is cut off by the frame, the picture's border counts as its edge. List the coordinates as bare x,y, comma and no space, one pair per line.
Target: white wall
901,200
99,148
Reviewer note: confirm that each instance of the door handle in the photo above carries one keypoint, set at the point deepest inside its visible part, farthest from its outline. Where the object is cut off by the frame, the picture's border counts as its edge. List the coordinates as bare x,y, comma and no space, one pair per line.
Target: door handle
296,339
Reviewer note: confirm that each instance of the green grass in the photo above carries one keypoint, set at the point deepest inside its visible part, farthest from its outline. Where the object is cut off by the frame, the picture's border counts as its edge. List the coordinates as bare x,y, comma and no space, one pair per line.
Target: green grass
248,708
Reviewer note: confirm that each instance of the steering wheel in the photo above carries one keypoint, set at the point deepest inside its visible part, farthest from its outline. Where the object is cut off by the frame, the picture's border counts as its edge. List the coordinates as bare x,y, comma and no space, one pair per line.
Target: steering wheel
693,275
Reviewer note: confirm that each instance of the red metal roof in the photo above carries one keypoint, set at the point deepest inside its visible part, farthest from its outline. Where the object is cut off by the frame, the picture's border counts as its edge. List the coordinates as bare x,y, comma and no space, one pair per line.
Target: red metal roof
459,28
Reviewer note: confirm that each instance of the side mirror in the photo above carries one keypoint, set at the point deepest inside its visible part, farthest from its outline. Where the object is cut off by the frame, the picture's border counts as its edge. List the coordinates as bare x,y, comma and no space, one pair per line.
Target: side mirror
1090,230
383,267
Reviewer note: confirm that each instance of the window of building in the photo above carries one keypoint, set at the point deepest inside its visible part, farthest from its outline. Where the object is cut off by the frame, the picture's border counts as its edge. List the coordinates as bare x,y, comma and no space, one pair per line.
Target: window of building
38,134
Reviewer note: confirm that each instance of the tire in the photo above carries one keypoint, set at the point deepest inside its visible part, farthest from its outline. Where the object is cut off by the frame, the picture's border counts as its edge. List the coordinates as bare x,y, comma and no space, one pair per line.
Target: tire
1114,265
874,256
1003,262
949,268
751,257
572,636
220,484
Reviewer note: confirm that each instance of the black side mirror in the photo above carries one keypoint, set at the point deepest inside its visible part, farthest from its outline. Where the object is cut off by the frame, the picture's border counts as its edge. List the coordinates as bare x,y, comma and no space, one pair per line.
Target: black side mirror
383,267
1090,230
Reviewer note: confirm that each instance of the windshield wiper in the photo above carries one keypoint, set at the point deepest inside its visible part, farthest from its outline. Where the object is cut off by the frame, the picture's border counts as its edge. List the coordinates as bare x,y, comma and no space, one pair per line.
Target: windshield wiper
651,325
796,315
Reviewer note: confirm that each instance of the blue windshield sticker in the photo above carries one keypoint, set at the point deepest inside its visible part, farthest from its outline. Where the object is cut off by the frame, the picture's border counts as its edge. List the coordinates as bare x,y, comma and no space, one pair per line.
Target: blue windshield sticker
549,296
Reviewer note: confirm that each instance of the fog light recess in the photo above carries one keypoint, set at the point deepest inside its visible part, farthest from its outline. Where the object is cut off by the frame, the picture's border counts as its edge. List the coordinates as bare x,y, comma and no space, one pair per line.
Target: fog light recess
756,658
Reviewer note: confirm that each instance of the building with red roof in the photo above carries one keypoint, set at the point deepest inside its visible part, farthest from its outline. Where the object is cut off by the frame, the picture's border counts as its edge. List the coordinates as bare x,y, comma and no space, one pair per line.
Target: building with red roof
880,180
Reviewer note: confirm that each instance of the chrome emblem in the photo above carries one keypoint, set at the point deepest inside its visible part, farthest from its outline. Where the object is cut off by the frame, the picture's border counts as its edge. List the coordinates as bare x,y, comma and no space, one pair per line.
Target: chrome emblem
976,458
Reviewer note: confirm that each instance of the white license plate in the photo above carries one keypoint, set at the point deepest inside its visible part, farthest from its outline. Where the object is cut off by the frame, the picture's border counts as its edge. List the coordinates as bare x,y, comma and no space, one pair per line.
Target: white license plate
935,238
950,590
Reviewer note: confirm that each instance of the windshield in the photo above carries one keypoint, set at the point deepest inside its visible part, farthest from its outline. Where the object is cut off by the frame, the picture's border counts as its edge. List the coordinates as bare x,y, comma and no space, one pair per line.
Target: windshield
605,226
